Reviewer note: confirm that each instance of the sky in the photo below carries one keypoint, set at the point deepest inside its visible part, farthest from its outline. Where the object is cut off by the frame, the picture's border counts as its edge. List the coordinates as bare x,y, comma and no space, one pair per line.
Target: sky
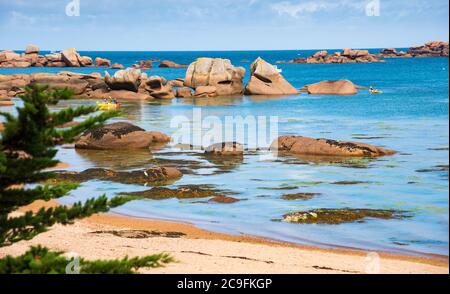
202,25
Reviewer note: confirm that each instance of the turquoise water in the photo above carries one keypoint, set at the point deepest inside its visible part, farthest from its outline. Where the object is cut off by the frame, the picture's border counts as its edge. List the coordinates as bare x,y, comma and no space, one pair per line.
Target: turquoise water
410,117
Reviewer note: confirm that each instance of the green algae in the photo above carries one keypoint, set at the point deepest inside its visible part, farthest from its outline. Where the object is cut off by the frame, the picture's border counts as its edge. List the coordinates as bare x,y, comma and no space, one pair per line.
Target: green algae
339,216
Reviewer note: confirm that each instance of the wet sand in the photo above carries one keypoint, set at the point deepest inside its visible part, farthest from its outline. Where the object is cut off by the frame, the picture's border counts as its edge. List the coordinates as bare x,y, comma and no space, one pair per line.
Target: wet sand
105,236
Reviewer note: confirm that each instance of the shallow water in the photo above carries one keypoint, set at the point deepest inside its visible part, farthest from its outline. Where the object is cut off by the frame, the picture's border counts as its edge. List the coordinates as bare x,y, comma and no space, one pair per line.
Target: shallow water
410,117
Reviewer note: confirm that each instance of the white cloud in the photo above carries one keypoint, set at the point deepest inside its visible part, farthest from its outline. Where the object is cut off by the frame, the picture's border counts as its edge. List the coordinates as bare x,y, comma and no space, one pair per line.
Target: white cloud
301,8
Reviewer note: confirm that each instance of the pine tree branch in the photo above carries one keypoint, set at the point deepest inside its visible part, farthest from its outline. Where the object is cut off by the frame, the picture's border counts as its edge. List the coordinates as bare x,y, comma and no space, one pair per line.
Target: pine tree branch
39,260
29,225
12,199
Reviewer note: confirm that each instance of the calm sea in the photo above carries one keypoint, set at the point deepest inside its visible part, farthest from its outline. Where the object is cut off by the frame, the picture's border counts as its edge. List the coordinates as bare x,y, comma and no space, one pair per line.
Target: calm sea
410,117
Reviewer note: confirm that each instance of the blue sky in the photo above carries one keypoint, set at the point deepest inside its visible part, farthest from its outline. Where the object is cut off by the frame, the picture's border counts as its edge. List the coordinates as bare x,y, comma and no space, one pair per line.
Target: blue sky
151,25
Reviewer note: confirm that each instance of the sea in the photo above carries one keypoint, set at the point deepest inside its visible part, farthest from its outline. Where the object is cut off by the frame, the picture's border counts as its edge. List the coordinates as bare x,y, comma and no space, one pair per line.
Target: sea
411,117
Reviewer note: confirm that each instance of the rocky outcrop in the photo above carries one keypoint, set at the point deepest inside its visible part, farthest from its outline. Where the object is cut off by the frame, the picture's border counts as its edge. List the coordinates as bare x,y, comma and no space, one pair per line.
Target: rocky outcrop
339,87
31,58
266,79
392,52
430,49
129,79
83,85
345,56
325,147
119,135
215,72
171,64
225,149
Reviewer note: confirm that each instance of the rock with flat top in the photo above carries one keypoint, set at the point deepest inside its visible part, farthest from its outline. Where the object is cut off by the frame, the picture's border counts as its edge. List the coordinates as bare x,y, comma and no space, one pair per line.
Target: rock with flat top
120,135
325,147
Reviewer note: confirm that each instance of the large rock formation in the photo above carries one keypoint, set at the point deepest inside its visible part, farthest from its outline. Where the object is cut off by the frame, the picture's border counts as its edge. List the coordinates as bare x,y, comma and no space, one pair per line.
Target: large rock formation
119,135
266,80
128,79
324,147
218,73
339,87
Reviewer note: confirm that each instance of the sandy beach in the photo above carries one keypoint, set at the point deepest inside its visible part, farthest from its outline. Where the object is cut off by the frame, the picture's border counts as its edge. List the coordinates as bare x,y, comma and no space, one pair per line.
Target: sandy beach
198,251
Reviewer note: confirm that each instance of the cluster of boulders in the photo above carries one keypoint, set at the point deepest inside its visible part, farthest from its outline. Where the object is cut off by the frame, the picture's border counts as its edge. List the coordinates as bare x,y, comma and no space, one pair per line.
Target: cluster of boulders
66,58
392,52
148,64
211,77
345,56
430,49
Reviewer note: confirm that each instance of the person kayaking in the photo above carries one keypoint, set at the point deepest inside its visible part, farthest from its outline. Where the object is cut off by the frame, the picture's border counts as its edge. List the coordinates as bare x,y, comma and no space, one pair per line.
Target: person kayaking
372,90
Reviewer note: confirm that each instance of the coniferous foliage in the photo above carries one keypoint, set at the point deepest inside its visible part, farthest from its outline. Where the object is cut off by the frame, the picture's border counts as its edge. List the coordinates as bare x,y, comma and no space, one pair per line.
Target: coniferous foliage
27,150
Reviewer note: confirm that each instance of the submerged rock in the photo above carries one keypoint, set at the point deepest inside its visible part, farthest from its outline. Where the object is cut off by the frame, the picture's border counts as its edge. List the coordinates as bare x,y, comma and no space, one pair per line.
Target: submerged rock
266,79
326,147
119,135
223,199
339,87
225,149
300,196
339,216
155,175
181,192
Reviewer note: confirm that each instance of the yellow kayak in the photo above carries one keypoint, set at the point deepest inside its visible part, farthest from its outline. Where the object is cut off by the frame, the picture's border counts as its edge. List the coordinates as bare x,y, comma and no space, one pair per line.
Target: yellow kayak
376,92
108,106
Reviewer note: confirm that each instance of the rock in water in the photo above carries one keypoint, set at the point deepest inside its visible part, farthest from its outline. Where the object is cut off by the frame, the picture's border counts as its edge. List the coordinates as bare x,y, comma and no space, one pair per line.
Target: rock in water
171,64
129,79
155,175
343,215
215,72
226,148
266,80
324,147
339,87
119,135
102,62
